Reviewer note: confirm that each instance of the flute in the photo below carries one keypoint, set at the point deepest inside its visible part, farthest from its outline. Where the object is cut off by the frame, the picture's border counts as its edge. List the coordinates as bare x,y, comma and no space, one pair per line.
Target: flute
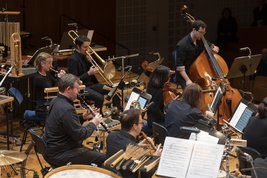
93,112
149,141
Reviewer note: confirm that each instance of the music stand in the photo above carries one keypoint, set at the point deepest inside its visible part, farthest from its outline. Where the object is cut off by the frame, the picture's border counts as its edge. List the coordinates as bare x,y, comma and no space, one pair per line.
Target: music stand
244,66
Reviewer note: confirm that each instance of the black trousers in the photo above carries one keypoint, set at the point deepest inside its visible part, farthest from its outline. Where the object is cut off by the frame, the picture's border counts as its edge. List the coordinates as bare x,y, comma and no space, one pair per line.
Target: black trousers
81,155
96,93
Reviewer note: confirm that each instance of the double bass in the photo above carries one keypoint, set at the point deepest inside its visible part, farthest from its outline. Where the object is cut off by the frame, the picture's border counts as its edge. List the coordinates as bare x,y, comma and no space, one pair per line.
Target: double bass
209,71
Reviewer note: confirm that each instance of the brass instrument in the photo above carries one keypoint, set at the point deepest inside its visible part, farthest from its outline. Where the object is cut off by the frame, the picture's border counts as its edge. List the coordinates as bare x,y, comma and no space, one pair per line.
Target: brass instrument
16,59
108,71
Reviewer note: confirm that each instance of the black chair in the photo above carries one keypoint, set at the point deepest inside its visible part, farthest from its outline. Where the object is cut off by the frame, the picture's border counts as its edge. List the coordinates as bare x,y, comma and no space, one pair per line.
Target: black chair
38,144
30,118
243,160
159,133
18,99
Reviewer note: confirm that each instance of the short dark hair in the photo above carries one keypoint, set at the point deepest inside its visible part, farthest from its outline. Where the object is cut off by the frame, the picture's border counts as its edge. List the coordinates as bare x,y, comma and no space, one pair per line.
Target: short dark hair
192,94
262,108
80,40
67,80
159,76
197,24
129,118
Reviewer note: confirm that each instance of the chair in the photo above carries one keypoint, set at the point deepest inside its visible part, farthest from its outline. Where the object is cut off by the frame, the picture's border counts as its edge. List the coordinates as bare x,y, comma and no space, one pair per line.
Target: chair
159,133
30,118
243,162
18,99
39,145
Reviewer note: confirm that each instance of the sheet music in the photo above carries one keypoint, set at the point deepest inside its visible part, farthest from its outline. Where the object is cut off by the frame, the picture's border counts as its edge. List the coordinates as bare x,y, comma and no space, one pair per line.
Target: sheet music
206,160
203,136
175,157
189,159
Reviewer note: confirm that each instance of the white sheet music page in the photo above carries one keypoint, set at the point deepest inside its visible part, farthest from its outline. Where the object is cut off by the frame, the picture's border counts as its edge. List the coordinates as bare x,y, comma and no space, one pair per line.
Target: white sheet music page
182,158
175,157
204,137
205,161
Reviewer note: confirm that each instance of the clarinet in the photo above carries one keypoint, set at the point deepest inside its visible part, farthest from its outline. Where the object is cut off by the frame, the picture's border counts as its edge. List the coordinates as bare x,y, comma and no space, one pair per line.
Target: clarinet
92,111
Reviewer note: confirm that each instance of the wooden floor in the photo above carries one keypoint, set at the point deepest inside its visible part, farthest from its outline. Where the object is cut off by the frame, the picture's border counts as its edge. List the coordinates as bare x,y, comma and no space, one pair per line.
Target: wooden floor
31,161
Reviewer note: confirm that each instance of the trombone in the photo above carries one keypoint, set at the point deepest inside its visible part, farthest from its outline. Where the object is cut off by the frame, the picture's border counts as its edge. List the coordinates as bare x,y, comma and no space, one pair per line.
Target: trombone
108,70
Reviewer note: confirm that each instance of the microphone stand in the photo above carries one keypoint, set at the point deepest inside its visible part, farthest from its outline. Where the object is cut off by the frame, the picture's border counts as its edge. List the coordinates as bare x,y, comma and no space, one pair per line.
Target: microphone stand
120,85
122,70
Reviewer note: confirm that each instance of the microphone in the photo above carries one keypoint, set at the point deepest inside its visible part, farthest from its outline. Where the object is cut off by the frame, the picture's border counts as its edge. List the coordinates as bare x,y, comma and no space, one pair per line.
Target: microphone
190,129
92,111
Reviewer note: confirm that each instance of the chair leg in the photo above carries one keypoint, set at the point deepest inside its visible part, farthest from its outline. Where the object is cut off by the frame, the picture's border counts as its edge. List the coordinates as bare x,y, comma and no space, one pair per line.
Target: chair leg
24,138
39,160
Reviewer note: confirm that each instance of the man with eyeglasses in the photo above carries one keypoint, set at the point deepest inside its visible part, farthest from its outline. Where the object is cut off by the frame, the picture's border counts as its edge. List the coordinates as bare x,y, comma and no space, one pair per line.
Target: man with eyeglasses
187,50
131,126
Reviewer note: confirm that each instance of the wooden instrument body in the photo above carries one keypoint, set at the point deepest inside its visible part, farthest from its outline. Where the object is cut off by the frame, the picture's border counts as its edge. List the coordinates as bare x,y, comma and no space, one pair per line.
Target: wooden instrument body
201,72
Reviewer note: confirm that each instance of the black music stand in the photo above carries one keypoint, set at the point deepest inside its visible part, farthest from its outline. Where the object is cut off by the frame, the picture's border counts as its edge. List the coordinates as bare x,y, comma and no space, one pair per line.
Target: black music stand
244,66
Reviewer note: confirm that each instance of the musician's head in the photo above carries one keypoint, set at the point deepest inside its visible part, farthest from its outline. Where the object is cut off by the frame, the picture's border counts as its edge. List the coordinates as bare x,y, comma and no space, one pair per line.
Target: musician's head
82,44
159,76
68,86
132,122
43,62
192,94
198,29
262,108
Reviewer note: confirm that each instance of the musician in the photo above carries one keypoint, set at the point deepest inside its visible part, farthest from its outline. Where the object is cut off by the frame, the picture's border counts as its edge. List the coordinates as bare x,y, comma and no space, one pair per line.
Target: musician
256,130
79,64
131,126
185,111
155,86
43,79
63,130
187,50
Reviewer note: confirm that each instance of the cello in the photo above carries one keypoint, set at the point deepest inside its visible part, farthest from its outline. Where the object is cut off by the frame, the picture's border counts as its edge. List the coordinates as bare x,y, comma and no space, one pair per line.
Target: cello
209,71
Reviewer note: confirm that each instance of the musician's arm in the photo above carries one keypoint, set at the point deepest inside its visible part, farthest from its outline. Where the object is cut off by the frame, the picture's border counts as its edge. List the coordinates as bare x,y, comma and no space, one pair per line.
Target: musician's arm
74,128
185,77
179,58
73,68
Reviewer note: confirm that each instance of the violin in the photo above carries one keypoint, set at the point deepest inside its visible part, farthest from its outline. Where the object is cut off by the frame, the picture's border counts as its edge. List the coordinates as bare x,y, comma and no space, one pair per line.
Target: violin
170,93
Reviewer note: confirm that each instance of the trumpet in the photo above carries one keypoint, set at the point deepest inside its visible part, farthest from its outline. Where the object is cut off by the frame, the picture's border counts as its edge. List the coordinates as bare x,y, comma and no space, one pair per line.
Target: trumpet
108,71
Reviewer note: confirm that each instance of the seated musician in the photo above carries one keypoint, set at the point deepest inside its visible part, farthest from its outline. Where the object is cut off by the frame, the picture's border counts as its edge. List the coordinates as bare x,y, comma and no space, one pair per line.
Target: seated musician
185,111
131,126
256,130
155,87
64,132
79,64
43,79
